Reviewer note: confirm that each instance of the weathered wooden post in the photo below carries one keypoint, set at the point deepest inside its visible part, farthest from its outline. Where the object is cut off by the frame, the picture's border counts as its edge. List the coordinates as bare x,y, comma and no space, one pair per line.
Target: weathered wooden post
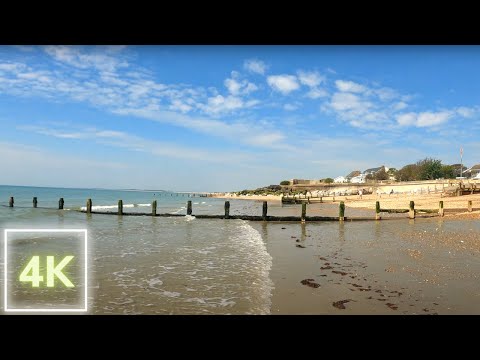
377,210
120,207
411,211
89,206
440,208
469,205
264,211
154,208
227,209
35,202
189,207
304,211
10,202
60,204
341,211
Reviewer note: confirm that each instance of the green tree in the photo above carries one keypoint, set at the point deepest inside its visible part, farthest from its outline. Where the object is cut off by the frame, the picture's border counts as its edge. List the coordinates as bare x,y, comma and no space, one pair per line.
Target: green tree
285,182
328,180
430,169
448,172
408,173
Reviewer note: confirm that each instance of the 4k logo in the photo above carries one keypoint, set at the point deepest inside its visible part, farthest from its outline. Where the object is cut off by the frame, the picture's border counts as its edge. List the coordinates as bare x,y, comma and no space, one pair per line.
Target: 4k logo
45,270
31,273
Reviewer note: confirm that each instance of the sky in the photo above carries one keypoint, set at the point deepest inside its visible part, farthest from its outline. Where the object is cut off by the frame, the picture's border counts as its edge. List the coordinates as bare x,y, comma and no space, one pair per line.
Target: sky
227,118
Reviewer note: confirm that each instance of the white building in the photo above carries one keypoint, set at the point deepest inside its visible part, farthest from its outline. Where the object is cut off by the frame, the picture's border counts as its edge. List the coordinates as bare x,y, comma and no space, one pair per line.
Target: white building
340,179
358,179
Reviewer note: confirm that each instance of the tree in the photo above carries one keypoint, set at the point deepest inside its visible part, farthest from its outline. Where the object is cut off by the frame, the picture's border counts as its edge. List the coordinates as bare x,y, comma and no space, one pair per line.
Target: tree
328,180
285,182
448,172
408,173
370,177
430,169
381,174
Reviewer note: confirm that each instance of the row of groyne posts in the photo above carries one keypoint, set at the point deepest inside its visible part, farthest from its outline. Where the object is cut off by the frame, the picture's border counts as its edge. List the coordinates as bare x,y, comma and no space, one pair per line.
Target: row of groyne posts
341,212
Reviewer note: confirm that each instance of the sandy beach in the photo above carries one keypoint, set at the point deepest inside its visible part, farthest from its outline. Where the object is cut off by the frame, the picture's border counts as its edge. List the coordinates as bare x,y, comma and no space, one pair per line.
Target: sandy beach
367,202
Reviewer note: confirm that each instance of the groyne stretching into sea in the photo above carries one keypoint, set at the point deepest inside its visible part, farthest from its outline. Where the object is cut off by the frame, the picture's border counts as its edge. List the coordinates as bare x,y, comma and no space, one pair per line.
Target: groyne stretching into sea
412,212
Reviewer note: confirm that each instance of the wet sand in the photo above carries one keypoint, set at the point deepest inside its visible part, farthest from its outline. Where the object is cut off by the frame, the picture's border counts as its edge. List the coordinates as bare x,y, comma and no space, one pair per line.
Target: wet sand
422,266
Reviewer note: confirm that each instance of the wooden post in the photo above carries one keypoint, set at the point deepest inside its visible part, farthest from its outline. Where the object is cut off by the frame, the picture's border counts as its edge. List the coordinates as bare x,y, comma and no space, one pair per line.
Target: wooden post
264,210
341,211
154,208
35,202
60,204
411,212
89,206
377,210
10,202
304,211
469,205
227,209
440,208
189,207
120,207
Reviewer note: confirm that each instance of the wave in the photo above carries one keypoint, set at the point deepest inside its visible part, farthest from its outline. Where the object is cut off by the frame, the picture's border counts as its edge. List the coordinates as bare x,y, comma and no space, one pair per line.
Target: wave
106,207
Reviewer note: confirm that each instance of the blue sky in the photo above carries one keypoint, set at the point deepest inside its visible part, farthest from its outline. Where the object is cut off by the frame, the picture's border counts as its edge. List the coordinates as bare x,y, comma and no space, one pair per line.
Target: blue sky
220,118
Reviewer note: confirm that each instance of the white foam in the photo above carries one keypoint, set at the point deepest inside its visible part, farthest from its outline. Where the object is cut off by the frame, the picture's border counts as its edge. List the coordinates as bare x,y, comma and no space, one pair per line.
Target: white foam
154,281
106,207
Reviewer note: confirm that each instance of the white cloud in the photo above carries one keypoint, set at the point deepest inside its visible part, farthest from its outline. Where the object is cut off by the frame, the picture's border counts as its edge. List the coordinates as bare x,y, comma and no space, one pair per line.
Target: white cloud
350,86
399,106
97,57
466,112
255,66
139,144
406,119
220,104
283,83
385,94
266,140
12,67
239,87
347,101
424,119
316,93
178,105
310,79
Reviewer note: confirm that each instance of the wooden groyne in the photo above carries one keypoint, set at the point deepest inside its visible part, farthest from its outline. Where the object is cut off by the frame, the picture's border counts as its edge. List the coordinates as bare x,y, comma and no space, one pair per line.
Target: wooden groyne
412,212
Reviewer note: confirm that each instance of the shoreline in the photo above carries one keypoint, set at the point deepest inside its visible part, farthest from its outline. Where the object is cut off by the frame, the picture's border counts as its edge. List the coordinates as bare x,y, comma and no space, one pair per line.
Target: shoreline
368,202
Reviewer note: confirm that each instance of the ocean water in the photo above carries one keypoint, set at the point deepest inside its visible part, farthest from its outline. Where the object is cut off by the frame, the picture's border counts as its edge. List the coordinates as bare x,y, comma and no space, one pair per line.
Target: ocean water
146,265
